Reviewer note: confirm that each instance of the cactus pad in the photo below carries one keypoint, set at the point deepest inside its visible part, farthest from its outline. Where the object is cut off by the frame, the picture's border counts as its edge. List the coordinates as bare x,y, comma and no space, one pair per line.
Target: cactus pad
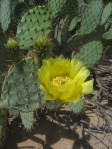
5,12
20,89
73,23
91,17
90,53
36,22
71,7
78,106
108,35
106,13
55,6
27,119
63,6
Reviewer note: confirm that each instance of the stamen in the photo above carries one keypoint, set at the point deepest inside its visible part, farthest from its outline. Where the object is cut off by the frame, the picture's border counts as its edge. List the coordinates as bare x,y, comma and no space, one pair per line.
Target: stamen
61,80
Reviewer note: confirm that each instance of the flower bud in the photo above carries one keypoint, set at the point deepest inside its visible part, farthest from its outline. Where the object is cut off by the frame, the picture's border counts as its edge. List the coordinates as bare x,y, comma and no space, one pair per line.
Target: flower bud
11,44
43,42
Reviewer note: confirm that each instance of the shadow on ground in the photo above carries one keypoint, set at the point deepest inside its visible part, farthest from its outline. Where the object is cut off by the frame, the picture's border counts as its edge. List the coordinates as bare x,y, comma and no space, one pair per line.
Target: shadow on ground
49,134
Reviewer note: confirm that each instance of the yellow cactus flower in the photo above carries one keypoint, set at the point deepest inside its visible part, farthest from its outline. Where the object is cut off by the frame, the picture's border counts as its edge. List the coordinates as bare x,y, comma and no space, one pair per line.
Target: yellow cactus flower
64,80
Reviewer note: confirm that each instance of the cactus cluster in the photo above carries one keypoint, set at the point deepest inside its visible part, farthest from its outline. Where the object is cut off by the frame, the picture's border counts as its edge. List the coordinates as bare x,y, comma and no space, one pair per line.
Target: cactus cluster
71,31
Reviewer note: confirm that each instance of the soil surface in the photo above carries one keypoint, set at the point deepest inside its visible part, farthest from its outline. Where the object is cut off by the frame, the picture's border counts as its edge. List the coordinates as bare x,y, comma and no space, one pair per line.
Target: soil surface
52,135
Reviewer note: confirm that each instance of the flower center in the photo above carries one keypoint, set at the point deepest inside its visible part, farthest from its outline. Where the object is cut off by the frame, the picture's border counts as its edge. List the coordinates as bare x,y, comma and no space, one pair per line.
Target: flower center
61,80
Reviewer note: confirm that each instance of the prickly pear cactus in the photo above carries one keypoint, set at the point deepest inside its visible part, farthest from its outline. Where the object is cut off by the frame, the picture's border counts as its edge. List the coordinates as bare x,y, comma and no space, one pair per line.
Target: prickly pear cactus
91,17
90,53
5,12
20,90
36,22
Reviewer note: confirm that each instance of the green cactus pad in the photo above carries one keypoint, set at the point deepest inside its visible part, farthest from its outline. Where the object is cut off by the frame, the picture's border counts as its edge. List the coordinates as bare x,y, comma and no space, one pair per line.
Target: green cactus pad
55,6
108,35
108,23
63,6
73,23
36,22
91,17
27,119
20,90
61,31
5,12
90,53
78,106
106,12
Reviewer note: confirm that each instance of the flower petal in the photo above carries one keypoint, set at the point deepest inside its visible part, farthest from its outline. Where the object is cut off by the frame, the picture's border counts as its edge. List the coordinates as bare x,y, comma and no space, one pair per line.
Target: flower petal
87,87
71,92
75,67
43,75
57,67
82,75
60,68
